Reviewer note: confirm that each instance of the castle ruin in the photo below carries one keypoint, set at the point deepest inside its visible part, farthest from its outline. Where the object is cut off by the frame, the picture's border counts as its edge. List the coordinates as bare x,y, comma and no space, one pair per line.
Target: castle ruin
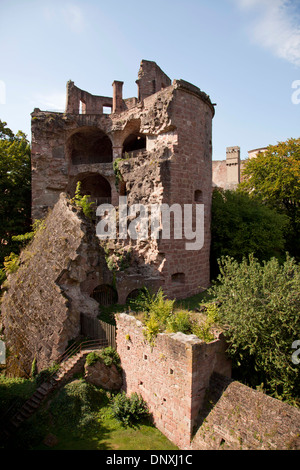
153,149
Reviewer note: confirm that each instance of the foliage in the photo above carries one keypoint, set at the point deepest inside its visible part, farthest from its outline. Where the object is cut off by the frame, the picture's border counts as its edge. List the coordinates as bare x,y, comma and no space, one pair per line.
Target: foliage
33,371
15,188
83,201
129,410
180,321
242,225
274,177
259,308
11,263
117,259
156,309
118,175
76,403
45,374
159,315
108,356
14,389
92,358
204,329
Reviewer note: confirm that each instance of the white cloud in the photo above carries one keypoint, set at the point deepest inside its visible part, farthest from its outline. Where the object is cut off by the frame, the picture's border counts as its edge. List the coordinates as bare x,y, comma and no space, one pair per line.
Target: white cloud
54,101
71,15
74,17
276,27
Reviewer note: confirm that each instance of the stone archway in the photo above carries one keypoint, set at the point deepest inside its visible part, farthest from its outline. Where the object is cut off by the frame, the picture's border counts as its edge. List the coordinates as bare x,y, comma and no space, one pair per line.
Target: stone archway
89,145
105,295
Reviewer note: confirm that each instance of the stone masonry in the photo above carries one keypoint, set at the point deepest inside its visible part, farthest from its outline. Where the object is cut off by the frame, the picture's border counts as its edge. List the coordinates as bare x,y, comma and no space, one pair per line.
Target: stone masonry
192,398
161,142
172,376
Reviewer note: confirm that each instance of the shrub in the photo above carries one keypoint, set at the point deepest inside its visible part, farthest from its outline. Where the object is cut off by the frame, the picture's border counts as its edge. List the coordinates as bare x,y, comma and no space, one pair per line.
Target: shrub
129,410
110,356
76,403
83,201
11,263
242,225
92,358
259,308
180,321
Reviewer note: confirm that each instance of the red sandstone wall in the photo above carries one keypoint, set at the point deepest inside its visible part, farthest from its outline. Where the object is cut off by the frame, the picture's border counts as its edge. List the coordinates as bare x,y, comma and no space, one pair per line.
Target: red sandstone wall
172,376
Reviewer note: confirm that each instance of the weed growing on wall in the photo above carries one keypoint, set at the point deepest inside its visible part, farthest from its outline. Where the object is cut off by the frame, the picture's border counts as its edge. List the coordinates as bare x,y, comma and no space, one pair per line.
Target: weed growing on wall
158,315
83,201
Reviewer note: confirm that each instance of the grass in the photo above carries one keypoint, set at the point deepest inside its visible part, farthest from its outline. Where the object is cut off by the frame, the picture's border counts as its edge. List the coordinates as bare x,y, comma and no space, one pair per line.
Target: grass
14,389
103,432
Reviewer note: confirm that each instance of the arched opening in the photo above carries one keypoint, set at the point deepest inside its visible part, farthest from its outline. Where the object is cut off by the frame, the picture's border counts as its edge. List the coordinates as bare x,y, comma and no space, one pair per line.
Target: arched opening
105,295
134,142
90,145
95,186
178,278
198,196
133,295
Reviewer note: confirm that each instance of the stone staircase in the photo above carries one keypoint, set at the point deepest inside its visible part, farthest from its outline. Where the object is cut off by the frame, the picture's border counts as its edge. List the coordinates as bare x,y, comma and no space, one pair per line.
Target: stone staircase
67,369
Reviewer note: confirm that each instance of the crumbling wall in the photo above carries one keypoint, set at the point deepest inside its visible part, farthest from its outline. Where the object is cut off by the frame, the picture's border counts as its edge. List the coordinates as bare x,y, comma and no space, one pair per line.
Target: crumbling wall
236,417
174,123
172,376
42,306
192,398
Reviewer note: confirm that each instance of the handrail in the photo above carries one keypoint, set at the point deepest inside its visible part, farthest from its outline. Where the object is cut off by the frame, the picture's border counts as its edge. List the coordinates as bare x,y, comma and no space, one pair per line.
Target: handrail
74,348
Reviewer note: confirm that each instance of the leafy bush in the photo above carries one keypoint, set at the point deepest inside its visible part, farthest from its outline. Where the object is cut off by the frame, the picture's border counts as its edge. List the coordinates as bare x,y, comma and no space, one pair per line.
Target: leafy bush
11,263
159,316
75,405
83,201
259,308
242,225
180,321
203,329
92,358
129,410
108,356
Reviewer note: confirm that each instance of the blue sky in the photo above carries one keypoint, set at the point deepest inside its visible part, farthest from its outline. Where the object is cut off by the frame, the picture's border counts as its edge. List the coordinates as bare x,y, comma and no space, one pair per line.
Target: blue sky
244,53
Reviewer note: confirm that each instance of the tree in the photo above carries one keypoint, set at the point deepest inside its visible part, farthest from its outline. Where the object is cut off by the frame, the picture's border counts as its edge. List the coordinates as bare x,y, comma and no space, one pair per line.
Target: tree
242,225
274,177
15,188
259,306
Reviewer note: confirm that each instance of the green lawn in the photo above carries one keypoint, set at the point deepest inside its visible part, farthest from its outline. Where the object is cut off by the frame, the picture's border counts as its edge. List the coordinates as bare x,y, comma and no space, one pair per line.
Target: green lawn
103,432
108,434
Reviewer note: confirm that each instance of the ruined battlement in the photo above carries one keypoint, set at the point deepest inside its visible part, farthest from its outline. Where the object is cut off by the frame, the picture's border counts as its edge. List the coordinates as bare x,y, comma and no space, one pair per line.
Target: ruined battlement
160,144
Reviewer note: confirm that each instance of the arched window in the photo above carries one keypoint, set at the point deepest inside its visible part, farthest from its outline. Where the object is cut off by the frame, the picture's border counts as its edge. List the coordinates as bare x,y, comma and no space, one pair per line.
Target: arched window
90,145
198,196
178,278
97,187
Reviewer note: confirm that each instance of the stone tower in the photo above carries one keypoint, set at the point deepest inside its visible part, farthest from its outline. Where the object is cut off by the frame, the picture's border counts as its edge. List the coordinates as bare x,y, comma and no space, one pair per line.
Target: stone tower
161,143
233,163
